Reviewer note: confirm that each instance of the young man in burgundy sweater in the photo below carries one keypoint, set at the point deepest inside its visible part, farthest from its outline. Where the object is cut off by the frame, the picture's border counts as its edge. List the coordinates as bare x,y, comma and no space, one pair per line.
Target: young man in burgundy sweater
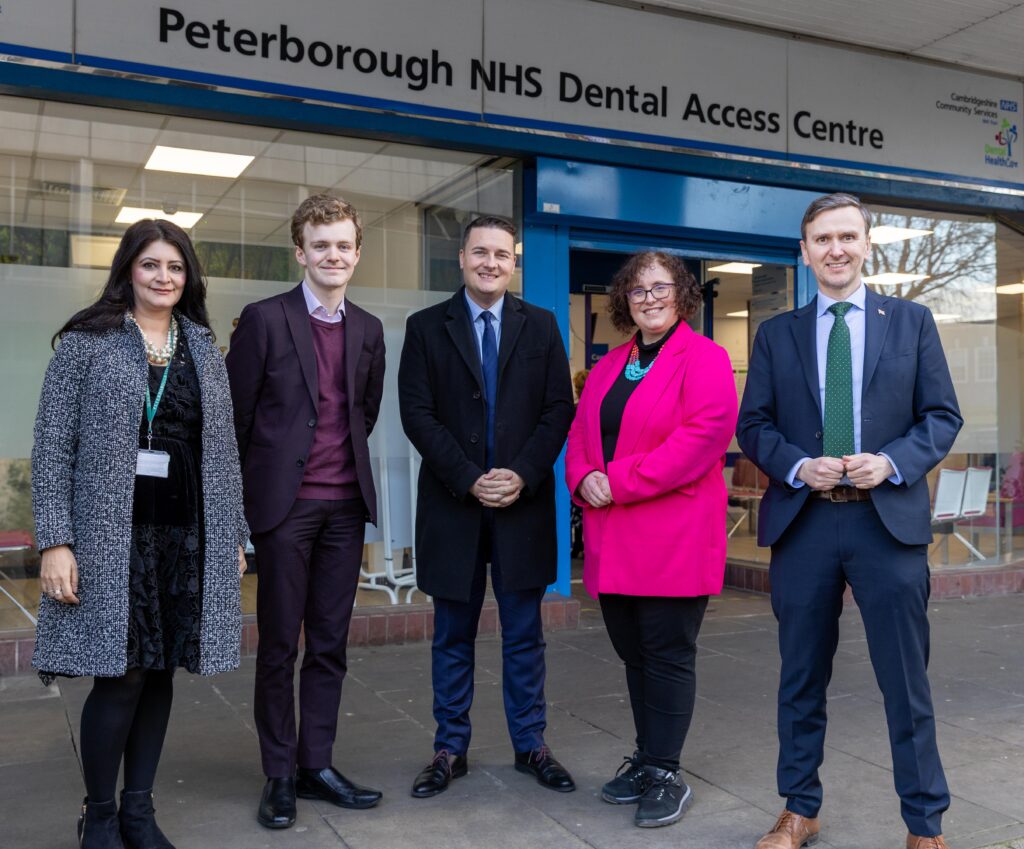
307,376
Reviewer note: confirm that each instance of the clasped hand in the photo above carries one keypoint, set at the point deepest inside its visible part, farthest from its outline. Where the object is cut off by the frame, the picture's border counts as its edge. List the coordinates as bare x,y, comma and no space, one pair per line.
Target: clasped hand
498,488
595,490
865,471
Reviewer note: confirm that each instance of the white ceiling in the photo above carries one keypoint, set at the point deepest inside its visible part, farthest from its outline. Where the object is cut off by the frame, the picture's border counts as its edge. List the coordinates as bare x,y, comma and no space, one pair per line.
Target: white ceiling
67,166
986,35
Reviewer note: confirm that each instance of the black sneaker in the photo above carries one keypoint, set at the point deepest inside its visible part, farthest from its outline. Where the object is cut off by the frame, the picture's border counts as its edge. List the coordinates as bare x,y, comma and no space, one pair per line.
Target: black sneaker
664,801
629,783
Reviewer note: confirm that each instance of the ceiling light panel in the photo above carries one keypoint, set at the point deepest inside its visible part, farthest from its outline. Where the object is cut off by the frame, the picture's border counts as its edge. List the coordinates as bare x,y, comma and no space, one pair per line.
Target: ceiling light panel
894,278
735,267
207,163
131,214
885,234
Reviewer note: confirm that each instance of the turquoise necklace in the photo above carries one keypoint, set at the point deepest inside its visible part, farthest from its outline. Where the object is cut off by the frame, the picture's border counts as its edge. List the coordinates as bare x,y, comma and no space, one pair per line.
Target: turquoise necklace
634,371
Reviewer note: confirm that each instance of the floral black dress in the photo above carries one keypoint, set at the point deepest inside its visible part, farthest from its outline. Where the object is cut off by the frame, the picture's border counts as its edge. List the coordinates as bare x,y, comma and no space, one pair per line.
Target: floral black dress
165,571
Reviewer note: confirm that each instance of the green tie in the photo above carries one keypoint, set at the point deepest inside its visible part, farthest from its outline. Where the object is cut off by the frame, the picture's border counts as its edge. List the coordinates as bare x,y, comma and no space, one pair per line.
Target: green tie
839,386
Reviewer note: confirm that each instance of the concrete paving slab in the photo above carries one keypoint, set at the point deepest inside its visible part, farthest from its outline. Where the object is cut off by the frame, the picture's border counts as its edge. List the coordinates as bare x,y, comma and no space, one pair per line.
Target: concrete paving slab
210,778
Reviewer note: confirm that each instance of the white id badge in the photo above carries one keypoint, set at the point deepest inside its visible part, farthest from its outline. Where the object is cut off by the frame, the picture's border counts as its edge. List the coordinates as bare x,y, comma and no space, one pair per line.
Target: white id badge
153,464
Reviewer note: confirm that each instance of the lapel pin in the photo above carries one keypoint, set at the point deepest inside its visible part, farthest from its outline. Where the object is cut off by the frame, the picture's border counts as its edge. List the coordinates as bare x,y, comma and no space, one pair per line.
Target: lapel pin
881,312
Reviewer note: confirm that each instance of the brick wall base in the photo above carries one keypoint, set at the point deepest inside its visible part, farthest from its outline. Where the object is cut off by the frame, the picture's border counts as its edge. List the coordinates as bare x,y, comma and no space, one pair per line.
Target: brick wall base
371,626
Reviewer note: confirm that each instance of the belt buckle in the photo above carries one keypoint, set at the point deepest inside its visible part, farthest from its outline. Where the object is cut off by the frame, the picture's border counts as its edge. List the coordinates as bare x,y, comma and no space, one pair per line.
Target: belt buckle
838,497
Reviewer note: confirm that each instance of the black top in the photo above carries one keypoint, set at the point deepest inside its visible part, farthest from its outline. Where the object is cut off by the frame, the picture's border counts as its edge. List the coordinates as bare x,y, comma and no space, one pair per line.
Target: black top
614,403
177,429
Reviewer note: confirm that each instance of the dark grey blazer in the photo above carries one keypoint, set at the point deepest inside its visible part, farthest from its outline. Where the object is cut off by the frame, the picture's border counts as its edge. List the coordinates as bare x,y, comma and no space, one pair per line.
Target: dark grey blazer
83,477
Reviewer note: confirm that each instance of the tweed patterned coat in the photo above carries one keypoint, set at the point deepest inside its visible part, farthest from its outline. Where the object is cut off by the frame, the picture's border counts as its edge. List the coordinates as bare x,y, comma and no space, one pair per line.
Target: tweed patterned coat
83,477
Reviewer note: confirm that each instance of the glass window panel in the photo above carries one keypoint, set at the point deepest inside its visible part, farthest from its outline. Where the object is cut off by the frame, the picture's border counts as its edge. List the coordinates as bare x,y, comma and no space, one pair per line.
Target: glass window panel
65,172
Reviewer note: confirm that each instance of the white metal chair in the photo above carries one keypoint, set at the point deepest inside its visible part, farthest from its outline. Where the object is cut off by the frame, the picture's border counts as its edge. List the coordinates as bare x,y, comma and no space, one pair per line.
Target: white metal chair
391,579
959,494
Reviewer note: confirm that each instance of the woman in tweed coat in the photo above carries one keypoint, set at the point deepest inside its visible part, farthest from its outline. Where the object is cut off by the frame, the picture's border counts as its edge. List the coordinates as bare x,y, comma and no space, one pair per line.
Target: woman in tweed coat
140,567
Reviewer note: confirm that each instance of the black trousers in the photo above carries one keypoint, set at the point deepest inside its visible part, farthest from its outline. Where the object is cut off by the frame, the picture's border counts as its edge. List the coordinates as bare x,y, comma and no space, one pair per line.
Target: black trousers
656,638
308,572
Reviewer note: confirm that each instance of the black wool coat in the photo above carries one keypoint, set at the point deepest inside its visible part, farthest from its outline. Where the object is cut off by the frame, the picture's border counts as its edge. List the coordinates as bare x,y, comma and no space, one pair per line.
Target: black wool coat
444,413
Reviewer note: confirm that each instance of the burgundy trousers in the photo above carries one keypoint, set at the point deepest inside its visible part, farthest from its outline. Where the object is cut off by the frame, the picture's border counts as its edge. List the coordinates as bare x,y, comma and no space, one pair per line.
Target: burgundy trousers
307,569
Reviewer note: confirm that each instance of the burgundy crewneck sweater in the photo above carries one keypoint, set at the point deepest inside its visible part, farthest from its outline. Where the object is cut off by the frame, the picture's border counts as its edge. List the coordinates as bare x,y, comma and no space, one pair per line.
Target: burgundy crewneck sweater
331,465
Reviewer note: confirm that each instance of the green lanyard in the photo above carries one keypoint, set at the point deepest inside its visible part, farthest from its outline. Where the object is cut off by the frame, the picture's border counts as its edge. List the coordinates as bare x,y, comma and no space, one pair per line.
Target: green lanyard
151,405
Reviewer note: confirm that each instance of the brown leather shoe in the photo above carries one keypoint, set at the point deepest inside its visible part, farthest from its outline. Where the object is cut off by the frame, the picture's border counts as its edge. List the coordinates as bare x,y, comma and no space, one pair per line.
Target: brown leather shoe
916,842
791,831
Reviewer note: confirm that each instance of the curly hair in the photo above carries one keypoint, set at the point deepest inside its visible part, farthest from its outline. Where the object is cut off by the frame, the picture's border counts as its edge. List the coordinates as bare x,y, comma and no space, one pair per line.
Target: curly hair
688,293
324,209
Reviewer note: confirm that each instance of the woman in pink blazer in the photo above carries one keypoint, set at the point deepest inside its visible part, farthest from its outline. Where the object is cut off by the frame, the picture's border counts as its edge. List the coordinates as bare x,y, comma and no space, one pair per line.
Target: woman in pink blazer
644,460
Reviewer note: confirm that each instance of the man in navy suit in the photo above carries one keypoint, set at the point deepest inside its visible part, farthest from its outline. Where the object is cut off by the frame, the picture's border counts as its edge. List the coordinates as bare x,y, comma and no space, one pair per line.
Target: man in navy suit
307,376
848,406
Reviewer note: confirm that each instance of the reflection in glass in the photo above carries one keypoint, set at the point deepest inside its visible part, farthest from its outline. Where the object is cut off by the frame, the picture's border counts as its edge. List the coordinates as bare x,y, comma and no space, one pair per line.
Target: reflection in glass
68,173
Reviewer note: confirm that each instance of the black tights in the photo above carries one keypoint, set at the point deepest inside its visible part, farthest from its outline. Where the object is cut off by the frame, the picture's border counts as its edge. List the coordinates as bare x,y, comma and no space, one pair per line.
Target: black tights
124,717
656,638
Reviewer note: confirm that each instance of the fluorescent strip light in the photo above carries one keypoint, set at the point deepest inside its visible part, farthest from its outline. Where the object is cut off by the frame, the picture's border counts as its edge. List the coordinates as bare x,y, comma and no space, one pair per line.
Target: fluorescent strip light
209,163
884,234
738,314
735,267
1011,289
131,214
894,278
93,251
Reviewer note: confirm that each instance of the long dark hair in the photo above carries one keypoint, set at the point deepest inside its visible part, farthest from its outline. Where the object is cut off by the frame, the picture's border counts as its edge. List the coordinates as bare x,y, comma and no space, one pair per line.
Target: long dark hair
117,296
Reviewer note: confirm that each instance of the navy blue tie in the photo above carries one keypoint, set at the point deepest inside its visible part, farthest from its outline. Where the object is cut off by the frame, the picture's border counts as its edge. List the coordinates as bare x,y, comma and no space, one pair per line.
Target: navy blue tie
489,359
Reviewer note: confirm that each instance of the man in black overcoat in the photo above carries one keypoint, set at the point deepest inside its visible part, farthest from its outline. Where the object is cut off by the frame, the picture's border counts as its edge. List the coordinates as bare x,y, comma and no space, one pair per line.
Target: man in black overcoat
486,399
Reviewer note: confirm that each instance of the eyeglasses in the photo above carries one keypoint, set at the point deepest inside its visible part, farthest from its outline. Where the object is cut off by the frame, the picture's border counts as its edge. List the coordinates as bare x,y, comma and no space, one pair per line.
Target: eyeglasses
659,291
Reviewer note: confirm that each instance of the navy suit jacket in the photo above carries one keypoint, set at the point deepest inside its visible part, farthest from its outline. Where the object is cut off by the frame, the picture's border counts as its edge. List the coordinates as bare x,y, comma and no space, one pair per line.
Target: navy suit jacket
274,388
909,411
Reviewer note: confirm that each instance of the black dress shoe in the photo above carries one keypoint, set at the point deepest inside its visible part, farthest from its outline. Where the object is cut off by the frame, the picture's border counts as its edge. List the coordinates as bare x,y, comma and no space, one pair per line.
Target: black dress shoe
549,773
329,785
277,805
435,777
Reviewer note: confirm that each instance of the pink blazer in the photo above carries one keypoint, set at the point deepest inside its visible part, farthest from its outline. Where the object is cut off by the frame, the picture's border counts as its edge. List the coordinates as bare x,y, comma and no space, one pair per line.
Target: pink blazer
664,533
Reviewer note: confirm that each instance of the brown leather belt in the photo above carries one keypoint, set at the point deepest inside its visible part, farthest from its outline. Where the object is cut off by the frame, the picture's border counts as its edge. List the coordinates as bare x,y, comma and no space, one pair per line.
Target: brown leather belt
842,494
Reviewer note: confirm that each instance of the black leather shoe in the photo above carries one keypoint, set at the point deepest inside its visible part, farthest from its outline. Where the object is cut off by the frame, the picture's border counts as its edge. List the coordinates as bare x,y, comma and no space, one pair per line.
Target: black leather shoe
329,785
277,804
435,777
549,773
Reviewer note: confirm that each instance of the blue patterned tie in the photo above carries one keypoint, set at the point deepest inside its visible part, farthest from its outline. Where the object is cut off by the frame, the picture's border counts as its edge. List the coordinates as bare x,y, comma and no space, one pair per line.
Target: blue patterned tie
839,386
490,368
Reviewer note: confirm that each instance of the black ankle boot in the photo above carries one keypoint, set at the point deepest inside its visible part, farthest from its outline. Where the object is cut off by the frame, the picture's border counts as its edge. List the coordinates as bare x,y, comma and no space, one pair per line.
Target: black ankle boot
138,823
98,827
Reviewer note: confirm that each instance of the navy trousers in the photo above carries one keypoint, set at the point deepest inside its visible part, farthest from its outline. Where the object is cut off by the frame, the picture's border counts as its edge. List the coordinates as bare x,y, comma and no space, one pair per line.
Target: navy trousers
827,546
308,569
522,656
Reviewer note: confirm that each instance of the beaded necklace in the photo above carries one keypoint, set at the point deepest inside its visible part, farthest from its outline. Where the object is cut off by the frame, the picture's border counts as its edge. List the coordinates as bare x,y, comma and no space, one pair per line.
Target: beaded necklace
158,356
634,371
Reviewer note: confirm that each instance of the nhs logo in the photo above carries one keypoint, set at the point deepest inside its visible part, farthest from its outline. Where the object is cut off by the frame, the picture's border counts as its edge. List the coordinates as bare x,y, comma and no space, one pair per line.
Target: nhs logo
1008,105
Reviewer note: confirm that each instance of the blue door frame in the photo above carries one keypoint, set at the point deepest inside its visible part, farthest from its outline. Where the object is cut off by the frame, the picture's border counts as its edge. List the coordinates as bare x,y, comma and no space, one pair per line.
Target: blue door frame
575,204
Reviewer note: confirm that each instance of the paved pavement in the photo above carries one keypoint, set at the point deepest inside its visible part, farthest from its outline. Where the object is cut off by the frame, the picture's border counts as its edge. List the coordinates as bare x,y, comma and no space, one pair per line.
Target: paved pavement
210,779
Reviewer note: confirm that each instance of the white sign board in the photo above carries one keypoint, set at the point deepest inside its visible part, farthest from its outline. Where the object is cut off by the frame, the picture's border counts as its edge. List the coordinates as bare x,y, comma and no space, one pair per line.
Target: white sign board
38,25
573,66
